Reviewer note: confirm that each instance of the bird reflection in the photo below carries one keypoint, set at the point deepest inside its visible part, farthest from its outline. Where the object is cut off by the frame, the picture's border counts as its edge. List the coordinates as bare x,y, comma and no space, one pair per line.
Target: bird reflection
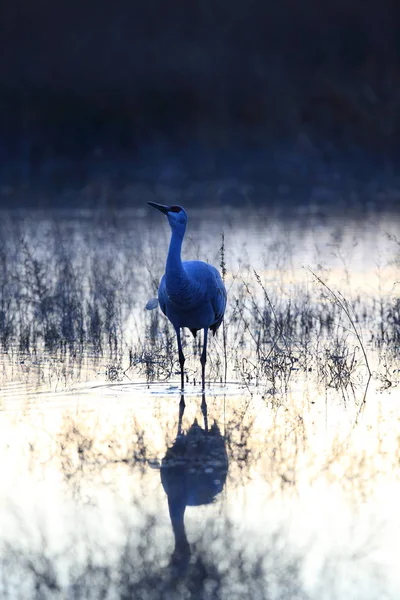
193,473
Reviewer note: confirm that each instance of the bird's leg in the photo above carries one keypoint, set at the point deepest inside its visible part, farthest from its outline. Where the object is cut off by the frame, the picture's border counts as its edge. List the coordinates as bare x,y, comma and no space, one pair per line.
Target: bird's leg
204,411
181,356
203,360
181,411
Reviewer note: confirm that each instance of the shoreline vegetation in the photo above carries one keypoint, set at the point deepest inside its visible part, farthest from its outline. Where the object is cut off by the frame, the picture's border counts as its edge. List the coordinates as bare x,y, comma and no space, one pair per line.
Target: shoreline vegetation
72,287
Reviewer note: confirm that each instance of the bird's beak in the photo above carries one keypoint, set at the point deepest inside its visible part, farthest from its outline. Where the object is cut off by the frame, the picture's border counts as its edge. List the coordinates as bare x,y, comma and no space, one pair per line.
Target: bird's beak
161,207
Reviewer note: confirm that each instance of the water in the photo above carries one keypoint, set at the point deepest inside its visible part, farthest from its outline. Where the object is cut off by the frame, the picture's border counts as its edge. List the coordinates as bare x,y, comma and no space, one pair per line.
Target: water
286,488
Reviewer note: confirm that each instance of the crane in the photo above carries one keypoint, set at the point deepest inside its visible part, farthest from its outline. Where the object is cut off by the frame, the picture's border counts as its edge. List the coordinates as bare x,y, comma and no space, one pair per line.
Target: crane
193,473
191,293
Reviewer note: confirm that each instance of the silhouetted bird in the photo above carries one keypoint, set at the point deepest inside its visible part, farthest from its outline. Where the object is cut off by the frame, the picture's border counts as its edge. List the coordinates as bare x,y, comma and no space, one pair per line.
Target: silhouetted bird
193,473
191,293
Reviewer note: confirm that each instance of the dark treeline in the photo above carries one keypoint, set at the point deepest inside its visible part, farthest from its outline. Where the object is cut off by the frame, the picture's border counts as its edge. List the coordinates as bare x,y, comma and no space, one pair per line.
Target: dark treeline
112,81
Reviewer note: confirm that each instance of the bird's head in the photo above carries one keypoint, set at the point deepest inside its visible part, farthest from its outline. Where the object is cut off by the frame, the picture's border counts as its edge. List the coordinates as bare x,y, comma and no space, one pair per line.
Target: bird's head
176,216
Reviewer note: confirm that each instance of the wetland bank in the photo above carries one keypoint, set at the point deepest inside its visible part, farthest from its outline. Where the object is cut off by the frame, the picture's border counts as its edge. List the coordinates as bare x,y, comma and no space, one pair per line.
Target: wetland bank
290,488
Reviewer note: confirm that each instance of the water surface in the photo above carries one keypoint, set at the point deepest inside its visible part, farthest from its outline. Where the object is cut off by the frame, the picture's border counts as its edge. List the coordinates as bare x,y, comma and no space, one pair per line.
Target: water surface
286,487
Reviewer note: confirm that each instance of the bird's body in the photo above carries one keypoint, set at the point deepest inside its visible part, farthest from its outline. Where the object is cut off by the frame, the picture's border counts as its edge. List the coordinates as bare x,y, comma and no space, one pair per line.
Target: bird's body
199,300
191,293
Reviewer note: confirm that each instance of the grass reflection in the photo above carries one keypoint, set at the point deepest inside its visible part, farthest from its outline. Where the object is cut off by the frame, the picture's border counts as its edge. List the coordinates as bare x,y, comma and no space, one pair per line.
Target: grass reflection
133,514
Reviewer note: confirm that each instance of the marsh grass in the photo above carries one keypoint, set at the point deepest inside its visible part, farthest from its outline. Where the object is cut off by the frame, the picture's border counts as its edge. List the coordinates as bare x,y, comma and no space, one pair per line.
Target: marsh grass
68,288
59,294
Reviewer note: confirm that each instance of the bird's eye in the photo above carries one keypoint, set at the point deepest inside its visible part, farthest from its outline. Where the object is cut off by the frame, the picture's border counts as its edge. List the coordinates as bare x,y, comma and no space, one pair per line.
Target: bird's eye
175,209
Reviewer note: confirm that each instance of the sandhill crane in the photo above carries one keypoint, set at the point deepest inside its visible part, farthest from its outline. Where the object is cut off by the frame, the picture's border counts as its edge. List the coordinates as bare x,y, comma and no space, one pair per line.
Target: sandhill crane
193,473
191,293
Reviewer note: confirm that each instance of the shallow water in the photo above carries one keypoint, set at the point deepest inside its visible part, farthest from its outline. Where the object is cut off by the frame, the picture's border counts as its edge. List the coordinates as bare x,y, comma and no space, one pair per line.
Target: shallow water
109,491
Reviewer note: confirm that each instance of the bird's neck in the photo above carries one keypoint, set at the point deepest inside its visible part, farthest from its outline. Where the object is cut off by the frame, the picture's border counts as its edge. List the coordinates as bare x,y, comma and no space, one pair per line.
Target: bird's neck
178,527
177,512
175,275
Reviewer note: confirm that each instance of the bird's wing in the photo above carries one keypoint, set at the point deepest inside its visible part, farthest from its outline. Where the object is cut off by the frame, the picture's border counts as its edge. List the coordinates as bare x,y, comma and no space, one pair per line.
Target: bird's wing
152,303
218,301
162,295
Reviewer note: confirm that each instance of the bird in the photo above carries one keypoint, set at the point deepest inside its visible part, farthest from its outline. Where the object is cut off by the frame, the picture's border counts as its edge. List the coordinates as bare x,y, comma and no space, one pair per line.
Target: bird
191,293
193,473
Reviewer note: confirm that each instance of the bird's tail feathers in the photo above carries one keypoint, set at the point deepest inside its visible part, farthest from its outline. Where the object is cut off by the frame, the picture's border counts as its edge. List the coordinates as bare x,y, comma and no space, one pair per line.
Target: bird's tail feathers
152,304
